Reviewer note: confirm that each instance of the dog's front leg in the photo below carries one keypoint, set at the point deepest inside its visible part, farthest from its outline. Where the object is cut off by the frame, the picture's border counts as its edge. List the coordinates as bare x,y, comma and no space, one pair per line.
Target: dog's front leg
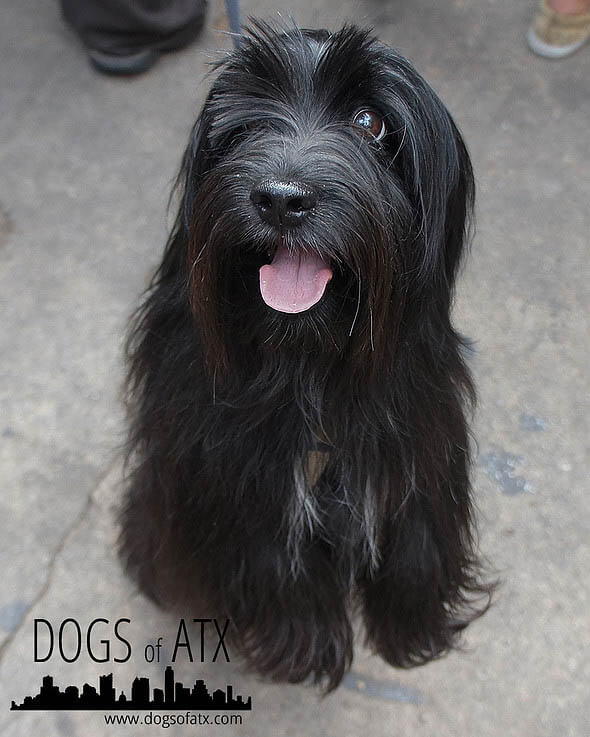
426,588
289,625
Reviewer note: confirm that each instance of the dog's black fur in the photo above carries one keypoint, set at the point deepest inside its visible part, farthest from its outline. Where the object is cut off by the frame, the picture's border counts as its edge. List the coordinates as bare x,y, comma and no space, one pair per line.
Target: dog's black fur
231,400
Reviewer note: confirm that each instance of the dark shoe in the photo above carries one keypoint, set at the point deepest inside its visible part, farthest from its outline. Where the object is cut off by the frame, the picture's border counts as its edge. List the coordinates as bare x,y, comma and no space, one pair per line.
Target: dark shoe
123,65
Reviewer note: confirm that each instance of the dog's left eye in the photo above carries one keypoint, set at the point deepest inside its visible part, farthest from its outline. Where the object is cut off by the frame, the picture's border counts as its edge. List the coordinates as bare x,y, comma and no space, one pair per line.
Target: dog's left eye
370,123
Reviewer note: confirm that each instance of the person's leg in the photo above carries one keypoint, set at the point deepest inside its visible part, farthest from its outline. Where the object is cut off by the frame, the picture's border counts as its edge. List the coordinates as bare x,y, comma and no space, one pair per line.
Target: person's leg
126,36
560,28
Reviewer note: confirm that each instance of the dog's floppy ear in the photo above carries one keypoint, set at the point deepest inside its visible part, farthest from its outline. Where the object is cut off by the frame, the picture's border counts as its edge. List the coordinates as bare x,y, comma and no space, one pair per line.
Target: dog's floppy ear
196,161
431,157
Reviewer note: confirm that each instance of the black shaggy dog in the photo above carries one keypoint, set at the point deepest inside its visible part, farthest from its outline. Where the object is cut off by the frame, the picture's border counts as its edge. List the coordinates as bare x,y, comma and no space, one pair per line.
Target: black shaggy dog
298,449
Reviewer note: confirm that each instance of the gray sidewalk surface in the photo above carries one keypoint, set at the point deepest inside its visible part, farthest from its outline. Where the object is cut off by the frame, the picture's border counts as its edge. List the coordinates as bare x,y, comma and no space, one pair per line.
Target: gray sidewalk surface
86,164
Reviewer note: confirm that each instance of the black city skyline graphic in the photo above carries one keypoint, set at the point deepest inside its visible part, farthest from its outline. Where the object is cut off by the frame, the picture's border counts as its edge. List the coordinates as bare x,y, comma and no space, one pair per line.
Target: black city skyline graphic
174,695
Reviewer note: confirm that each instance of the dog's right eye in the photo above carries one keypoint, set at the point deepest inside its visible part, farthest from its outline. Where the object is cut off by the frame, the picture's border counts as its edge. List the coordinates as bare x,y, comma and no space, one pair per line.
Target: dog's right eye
370,123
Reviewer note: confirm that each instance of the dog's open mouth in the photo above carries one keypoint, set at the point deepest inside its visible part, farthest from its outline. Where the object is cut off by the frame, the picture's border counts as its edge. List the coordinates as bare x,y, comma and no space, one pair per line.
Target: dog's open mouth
294,283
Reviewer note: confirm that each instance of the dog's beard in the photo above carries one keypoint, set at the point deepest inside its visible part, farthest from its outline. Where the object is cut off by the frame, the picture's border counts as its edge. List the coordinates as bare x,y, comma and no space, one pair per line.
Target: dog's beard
352,243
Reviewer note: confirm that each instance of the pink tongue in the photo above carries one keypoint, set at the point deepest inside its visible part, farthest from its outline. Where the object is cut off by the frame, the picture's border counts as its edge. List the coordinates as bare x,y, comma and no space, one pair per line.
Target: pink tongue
294,283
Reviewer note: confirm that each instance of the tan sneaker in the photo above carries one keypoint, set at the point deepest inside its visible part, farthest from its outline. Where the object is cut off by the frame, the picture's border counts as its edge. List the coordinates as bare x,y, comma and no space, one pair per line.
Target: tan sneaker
555,35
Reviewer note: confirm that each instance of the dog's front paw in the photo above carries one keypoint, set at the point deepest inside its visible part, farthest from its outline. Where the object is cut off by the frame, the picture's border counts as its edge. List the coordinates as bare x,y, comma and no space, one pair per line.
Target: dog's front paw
302,646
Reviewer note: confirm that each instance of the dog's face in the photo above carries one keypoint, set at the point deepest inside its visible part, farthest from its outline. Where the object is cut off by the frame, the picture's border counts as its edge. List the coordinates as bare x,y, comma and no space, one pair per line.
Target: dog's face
325,198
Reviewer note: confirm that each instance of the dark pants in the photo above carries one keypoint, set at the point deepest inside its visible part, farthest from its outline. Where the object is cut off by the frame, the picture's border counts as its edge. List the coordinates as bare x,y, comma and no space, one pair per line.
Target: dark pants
127,26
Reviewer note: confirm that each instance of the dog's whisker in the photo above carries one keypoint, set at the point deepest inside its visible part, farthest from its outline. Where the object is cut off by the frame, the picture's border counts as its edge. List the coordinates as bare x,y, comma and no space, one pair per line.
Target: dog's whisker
401,145
358,306
322,329
284,336
198,258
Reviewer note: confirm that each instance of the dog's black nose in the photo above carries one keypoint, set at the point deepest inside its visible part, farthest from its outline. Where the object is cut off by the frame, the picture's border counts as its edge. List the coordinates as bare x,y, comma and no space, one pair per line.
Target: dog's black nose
283,204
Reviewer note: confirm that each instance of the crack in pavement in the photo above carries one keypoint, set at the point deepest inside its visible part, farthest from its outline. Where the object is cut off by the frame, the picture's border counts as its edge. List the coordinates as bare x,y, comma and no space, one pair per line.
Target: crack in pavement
54,558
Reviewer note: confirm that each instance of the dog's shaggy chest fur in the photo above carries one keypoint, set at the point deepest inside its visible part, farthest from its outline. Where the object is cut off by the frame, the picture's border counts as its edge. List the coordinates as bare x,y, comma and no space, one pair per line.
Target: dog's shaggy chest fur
298,448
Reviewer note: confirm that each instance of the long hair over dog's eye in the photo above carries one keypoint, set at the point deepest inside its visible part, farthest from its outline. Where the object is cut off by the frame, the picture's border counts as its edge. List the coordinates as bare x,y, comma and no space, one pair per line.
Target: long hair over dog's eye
370,123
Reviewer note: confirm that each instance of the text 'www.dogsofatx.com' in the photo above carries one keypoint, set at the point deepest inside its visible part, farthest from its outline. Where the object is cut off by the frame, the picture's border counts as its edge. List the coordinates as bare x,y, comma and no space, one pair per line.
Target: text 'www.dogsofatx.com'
165,721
